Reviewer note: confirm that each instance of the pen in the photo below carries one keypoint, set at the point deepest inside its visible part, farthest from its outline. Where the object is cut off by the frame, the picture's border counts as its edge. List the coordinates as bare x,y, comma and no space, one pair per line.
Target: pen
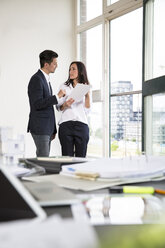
160,191
132,190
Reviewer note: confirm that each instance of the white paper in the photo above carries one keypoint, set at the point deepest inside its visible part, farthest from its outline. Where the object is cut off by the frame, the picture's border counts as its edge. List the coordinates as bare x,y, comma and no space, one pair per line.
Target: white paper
112,172
72,182
79,91
126,168
19,171
54,232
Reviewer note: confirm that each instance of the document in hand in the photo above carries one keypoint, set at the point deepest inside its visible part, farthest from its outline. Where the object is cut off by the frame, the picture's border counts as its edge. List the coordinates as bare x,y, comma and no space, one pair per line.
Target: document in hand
126,168
79,91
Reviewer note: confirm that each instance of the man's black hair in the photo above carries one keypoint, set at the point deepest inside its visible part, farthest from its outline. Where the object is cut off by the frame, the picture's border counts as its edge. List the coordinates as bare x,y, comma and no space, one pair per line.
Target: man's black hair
47,56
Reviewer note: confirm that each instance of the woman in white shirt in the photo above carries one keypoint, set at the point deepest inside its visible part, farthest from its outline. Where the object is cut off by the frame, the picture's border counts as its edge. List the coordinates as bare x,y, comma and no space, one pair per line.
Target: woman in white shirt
73,124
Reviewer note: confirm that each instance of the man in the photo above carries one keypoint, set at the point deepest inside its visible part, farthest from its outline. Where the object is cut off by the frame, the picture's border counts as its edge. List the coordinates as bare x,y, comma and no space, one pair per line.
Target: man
42,125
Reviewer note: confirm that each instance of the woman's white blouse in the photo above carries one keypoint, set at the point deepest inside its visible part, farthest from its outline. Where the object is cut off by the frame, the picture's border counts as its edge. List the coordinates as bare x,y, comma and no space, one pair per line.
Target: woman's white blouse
76,112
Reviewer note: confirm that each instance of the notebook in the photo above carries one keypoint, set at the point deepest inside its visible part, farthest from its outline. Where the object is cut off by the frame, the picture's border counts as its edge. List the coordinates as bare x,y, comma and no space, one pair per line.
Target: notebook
49,194
15,201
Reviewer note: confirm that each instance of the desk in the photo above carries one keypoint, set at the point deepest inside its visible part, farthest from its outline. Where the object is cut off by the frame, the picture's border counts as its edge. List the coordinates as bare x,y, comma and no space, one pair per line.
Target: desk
65,211
106,232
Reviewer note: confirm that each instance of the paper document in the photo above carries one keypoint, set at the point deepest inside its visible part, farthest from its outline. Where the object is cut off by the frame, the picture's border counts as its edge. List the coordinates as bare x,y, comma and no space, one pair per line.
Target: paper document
111,172
51,233
79,91
126,168
18,170
71,182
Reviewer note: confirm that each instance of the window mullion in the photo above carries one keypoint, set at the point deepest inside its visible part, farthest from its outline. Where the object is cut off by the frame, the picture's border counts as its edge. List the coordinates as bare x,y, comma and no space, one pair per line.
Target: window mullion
121,7
90,24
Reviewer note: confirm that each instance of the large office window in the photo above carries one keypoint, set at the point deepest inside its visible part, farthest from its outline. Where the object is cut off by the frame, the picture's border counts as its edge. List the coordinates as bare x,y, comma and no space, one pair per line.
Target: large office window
158,123
109,35
91,55
126,84
154,78
154,39
159,39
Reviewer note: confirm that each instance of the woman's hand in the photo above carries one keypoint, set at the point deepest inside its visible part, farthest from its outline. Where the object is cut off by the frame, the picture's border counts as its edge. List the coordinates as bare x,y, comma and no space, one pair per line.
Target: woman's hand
67,104
87,100
87,94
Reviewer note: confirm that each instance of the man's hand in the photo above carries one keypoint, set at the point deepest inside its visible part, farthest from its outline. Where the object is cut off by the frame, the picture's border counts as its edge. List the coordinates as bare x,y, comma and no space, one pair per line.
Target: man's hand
61,93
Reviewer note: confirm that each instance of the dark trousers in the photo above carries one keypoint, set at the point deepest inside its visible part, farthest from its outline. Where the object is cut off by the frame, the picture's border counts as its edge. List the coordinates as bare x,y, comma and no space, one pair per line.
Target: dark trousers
42,143
74,137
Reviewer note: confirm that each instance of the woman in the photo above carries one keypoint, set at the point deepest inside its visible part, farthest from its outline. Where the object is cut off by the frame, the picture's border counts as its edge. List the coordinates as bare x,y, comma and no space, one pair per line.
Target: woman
73,125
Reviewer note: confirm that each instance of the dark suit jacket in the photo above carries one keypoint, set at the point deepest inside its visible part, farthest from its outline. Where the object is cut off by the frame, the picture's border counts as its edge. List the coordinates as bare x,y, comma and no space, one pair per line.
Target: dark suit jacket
41,117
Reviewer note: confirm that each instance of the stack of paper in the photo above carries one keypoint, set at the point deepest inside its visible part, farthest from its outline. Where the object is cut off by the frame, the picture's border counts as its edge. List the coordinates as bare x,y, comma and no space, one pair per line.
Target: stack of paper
107,172
126,168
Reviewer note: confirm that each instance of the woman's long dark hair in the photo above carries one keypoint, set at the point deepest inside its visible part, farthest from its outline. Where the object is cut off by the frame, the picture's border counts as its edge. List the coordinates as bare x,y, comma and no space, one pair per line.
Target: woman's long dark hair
82,74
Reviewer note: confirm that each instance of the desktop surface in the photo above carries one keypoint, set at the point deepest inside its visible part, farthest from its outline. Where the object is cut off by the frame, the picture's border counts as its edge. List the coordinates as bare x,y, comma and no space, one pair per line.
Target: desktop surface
66,212
108,235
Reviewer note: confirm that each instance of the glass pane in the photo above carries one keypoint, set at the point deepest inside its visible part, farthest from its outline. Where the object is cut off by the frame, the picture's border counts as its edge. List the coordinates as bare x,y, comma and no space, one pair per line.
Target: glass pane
159,38
126,49
126,76
158,124
96,131
88,9
154,39
126,117
91,55
111,2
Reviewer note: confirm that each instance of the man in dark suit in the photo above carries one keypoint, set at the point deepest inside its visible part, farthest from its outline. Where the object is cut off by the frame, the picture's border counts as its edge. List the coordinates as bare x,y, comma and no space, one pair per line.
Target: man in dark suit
42,124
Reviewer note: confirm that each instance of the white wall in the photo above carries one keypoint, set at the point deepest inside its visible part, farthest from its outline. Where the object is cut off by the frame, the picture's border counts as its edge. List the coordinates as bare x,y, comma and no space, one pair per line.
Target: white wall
26,29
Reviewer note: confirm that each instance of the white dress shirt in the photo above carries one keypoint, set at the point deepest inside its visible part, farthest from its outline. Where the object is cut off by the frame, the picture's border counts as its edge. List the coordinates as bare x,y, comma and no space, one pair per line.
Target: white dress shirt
76,112
48,81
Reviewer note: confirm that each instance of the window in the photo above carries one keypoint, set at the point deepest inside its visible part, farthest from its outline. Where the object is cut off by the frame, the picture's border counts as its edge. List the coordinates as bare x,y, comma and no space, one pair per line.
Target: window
109,43
158,123
154,39
91,55
153,81
88,10
159,39
126,76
